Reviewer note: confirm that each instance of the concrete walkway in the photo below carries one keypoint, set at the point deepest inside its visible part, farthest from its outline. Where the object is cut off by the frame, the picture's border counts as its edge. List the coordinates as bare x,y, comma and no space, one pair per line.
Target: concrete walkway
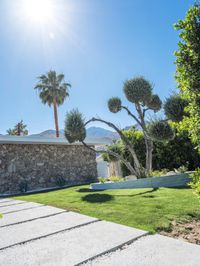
35,234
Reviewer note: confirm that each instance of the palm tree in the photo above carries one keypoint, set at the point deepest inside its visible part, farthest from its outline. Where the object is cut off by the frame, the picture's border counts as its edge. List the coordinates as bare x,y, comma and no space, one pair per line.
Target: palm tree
53,90
18,130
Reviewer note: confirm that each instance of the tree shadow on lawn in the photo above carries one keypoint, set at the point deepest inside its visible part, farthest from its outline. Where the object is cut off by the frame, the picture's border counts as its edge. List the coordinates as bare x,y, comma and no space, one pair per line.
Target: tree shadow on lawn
141,193
183,187
149,196
83,190
97,198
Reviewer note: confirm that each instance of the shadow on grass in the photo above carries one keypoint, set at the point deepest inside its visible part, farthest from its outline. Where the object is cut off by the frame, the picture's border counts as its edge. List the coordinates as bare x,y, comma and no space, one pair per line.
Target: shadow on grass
149,196
97,198
82,190
184,187
141,193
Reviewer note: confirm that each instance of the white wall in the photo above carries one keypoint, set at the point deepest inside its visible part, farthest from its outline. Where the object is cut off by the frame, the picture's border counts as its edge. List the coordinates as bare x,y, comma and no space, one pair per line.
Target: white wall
102,168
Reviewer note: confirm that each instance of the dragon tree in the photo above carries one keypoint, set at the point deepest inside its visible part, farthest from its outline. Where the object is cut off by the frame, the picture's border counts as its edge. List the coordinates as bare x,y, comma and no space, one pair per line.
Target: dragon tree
139,92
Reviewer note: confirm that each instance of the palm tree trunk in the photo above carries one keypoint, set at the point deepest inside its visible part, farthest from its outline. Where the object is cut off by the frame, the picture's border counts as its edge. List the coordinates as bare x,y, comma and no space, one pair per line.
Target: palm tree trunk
56,116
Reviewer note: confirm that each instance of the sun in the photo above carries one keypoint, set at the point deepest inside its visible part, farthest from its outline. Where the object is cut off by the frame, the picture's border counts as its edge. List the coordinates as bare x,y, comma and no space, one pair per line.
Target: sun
38,11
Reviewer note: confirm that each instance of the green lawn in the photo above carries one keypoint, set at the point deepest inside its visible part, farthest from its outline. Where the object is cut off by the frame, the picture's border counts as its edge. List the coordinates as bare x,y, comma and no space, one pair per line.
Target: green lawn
148,209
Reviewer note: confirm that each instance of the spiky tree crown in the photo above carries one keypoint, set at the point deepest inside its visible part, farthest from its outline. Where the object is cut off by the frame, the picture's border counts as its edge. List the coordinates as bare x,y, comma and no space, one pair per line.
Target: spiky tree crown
138,90
114,105
160,130
74,126
174,108
155,103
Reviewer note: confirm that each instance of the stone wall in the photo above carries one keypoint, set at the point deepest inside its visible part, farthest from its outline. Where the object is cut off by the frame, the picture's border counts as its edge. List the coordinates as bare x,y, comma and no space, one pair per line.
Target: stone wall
39,165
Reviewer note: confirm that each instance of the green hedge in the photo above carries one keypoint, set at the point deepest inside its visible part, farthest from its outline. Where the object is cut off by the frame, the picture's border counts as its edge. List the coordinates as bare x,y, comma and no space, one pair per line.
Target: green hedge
168,155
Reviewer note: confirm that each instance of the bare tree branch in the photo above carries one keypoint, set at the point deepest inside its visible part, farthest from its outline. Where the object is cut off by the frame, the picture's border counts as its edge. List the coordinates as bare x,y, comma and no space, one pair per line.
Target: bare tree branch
132,115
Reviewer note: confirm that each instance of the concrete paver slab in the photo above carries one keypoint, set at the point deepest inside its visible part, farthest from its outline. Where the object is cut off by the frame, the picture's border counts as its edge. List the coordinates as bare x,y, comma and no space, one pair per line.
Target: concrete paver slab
153,250
19,207
10,203
70,247
26,215
34,229
5,200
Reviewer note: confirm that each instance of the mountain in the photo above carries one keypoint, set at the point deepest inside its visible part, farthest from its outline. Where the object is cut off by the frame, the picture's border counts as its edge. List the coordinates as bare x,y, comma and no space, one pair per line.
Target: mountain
50,133
99,132
94,134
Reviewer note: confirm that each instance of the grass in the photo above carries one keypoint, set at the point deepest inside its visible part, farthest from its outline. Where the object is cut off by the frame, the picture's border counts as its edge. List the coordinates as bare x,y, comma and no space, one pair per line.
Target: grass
147,209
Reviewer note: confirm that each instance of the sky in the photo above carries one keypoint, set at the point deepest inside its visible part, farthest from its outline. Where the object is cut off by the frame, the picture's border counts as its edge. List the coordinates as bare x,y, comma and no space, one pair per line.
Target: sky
97,44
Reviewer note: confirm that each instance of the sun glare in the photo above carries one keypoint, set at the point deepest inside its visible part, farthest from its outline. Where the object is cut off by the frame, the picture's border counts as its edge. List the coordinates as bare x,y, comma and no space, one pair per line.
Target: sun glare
38,10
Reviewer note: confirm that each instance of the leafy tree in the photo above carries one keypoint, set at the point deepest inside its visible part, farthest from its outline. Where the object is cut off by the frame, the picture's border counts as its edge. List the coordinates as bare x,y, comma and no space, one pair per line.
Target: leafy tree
175,153
166,155
195,183
139,92
174,108
188,69
53,90
18,130
75,131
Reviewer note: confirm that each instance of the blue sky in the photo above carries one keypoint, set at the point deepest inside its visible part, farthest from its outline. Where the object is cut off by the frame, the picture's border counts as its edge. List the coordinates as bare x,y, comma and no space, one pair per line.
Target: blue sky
97,44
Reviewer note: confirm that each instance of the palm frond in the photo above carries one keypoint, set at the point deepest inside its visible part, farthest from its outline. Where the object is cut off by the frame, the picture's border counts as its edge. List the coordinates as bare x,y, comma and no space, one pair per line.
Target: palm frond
52,85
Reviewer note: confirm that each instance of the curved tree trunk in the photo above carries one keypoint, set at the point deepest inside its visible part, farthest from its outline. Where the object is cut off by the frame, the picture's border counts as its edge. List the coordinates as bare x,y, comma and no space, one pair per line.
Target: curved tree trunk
148,140
116,155
56,116
149,151
139,170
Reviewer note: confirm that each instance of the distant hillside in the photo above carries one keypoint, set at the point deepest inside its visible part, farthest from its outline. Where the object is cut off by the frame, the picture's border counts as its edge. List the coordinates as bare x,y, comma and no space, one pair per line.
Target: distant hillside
96,134
99,132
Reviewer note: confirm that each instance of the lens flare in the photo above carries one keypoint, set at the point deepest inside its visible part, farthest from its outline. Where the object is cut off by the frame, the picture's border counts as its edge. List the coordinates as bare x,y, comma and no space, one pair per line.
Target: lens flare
40,11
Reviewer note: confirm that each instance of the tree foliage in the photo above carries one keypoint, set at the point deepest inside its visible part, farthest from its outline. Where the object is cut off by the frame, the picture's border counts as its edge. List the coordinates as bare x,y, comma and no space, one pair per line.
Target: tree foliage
166,155
160,130
52,85
75,126
114,104
53,90
174,108
18,130
138,90
117,148
195,183
155,103
188,69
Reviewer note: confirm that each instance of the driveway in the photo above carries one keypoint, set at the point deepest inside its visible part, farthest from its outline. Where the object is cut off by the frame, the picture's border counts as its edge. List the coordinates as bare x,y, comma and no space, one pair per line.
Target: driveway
35,234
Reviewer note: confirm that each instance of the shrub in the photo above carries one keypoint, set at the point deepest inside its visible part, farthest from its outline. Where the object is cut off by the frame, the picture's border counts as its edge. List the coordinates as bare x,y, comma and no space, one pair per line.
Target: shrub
114,148
115,178
166,155
23,186
158,173
60,181
195,184
182,169
102,180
